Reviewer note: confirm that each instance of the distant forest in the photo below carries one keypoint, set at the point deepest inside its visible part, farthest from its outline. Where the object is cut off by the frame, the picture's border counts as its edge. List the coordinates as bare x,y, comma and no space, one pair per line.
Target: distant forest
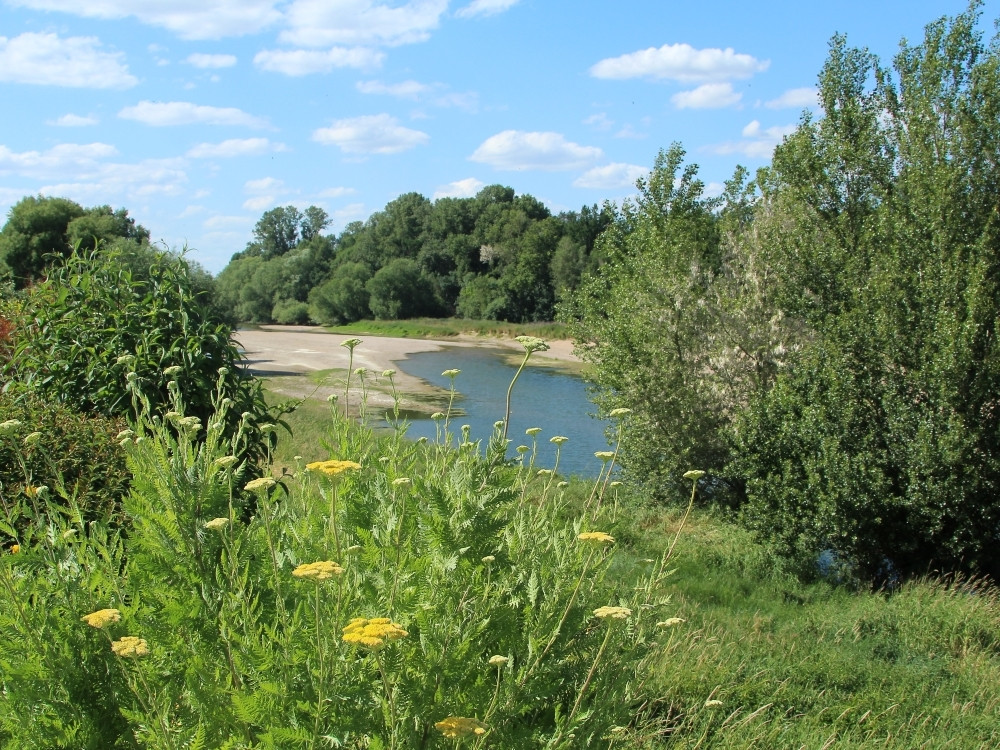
497,256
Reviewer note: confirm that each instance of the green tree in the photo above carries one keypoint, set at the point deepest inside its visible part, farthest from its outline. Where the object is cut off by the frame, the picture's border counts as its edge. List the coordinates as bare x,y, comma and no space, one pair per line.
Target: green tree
400,290
36,230
275,233
881,442
103,224
343,298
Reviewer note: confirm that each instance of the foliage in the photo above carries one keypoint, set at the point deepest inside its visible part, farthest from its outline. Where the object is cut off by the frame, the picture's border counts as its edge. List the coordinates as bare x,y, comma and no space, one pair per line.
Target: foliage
498,255
103,340
499,606
881,442
47,445
40,230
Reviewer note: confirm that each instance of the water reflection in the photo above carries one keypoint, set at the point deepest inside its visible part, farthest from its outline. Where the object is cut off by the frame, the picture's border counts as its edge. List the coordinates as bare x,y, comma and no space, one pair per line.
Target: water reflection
543,398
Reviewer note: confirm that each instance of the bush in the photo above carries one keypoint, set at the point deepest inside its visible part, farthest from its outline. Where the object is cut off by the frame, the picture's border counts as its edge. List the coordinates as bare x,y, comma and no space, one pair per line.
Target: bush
288,312
46,444
102,339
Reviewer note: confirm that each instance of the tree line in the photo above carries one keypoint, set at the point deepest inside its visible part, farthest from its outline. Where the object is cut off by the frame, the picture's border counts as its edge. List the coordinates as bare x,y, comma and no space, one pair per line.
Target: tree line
497,256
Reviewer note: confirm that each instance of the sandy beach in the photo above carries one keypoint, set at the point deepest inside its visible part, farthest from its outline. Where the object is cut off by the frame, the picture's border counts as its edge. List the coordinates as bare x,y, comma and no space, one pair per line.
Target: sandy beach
286,353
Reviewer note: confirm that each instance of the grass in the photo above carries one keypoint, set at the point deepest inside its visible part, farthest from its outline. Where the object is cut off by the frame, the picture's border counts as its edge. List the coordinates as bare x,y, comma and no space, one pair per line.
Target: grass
443,328
798,664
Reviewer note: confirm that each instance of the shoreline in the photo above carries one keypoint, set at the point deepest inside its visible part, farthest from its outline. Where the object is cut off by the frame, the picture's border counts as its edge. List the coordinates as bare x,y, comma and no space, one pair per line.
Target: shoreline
286,355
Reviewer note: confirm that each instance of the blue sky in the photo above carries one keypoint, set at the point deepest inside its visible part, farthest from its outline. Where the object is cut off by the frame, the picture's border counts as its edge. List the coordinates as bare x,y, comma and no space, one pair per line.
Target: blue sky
199,115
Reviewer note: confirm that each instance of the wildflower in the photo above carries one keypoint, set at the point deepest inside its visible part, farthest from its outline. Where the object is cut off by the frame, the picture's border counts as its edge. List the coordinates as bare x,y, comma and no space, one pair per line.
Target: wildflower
422,439
670,622
332,467
361,371
352,548
694,474
130,647
68,534
450,373
217,524
533,431
562,484
459,726
193,424
32,438
599,537
125,359
372,633
402,482
15,548
523,449
10,425
332,398
558,439
224,462
263,483
124,435
223,371
173,370
488,559
318,571
437,416
30,490
532,343
713,703
498,661
544,472
620,412
172,415
605,456
498,424
102,617
613,613
388,373
350,343
615,484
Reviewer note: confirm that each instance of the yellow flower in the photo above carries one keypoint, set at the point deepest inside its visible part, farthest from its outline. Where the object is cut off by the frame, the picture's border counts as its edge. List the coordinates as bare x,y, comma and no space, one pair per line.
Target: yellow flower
620,412
498,661
670,622
694,474
451,373
224,462
599,537
713,703
318,571
217,524
15,548
532,343
130,647
350,343
558,439
263,483
605,455
614,613
102,617
372,633
532,431
459,726
332,468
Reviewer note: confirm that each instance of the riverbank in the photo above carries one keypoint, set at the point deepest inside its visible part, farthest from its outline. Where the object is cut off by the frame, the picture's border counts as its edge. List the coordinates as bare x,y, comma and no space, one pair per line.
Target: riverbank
310,362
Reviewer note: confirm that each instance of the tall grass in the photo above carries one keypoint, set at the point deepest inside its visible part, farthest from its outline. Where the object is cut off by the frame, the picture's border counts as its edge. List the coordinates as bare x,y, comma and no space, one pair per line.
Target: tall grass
435,328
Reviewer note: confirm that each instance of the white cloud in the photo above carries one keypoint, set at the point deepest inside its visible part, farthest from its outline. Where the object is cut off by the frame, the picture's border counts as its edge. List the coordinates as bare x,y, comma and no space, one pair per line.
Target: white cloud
629,132
265,185
103,182
600,121
234,147
800,98
757,142
74,62
351,212
200,60
222,222
707,96
65,158
191,19
681,62
319,23
403,90
162,114
485,8
300,62
516,149
337,192
370,134
466,188
191,210
611,177
259,203
74,121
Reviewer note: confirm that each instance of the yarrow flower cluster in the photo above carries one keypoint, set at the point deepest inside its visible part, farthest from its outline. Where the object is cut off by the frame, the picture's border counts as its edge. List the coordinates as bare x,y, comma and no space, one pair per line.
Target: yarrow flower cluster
498,661
372,633
217,524
558,439
263,483
459,726
694,474
318,571
532,343
332,467
597,537
613,613
130,647
102,617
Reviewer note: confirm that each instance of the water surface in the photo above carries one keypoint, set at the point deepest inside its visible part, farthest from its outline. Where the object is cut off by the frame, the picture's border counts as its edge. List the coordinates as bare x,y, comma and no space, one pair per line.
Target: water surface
542,397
